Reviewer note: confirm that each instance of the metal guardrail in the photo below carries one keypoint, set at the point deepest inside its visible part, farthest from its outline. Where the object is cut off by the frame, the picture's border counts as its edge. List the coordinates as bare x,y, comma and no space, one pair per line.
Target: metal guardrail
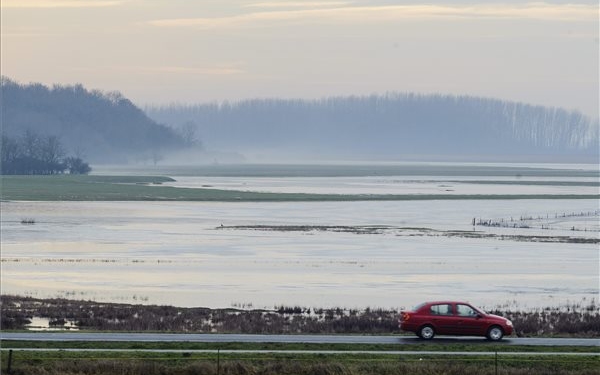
292,351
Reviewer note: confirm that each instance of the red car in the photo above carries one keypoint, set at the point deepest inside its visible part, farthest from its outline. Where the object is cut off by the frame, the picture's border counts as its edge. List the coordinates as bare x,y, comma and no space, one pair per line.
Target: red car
453,318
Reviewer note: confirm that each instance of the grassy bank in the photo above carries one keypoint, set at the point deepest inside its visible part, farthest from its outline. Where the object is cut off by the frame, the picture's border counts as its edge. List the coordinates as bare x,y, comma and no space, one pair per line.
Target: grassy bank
149,363
148,188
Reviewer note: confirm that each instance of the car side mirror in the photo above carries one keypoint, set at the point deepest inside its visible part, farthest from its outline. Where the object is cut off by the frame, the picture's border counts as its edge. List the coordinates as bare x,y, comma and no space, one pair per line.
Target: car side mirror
478,316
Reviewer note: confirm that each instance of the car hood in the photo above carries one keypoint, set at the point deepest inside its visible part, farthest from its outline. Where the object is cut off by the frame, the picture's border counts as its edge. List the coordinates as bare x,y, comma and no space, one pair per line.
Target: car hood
497,317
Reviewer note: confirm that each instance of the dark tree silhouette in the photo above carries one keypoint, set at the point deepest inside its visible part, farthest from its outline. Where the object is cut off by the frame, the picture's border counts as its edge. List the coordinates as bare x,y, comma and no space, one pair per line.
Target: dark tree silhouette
109,127
77,166
35,154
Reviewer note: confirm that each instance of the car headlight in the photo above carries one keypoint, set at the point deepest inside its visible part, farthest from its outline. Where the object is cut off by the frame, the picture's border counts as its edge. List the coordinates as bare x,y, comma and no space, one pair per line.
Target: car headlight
508,323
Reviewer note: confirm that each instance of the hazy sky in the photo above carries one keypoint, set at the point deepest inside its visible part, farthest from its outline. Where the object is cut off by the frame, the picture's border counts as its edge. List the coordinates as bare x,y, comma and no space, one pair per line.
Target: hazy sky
162,51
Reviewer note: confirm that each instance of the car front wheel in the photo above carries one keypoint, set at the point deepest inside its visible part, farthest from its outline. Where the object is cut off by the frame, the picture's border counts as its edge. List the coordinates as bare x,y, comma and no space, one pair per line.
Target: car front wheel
495,333
426,332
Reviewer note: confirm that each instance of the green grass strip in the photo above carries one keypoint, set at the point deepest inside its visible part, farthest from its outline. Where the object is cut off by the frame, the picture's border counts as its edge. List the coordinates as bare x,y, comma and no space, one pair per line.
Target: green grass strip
484,346
148,188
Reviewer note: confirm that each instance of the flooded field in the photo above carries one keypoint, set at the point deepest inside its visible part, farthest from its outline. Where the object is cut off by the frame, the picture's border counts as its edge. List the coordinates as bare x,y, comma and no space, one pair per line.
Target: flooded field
249,254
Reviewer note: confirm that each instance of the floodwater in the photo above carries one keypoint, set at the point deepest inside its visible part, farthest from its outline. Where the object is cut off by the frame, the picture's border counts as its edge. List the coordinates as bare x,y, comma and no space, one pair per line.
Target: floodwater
195,253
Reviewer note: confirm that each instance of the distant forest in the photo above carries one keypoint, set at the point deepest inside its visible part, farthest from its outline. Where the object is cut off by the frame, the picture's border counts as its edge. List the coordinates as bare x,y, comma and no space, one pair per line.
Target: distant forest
106,127
93,125
395,126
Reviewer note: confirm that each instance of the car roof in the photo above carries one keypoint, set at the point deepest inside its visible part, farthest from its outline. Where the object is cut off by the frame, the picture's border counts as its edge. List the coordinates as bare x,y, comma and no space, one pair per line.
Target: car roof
445,302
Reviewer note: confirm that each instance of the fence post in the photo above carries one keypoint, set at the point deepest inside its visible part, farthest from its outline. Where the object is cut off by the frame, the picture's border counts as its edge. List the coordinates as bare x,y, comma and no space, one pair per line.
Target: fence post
496,363
218,361
9,364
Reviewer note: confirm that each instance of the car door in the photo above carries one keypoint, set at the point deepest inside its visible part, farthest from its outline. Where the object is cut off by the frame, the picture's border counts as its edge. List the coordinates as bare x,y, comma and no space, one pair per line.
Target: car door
442,318
469,321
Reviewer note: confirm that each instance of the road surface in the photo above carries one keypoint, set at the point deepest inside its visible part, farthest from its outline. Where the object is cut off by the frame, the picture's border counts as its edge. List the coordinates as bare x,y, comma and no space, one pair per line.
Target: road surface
311,339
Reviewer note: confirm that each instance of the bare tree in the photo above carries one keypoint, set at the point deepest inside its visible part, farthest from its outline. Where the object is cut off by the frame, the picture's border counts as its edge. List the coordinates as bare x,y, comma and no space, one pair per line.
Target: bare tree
51,150
156,157
10,149
30,144
188,131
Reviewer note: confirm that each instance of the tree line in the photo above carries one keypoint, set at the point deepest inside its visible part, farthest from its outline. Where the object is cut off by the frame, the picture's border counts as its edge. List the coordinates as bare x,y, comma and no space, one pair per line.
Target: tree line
34,154
388,125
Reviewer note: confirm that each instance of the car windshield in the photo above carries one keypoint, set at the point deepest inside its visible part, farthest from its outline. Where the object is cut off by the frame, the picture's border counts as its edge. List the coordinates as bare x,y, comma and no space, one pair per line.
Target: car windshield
480,310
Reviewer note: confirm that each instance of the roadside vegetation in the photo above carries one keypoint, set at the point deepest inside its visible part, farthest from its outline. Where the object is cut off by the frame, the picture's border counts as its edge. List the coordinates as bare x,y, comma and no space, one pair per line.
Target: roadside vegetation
438,345
150,363
575,320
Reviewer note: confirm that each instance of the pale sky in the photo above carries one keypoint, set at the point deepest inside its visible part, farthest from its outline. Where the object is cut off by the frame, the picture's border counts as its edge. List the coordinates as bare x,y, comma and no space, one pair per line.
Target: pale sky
163,51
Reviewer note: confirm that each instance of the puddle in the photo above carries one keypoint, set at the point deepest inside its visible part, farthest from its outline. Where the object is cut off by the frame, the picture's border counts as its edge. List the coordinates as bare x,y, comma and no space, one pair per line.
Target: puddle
43,324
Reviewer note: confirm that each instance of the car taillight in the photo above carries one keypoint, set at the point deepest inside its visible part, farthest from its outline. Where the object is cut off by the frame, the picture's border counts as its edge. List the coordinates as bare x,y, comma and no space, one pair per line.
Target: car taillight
404,317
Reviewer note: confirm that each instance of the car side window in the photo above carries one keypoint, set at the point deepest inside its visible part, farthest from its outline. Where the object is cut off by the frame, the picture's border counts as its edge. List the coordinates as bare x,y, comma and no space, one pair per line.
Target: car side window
444,309
465,310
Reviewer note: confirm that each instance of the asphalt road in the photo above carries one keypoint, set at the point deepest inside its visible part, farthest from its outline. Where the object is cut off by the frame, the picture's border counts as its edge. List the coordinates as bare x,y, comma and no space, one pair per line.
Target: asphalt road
313,339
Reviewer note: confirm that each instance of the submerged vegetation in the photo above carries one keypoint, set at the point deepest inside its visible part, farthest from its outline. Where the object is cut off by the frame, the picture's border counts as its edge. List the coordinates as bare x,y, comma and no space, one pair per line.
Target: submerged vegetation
412,232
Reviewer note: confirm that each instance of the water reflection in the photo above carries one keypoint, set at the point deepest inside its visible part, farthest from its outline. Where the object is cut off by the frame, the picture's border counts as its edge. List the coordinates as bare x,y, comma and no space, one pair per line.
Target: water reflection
176,253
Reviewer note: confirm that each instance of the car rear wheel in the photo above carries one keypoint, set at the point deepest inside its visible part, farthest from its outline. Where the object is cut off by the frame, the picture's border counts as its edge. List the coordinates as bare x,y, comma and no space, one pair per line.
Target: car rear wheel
495,333
426,332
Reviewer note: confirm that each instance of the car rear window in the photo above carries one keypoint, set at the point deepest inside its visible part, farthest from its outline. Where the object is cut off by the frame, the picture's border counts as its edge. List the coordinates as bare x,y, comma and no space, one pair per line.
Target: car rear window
419,306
